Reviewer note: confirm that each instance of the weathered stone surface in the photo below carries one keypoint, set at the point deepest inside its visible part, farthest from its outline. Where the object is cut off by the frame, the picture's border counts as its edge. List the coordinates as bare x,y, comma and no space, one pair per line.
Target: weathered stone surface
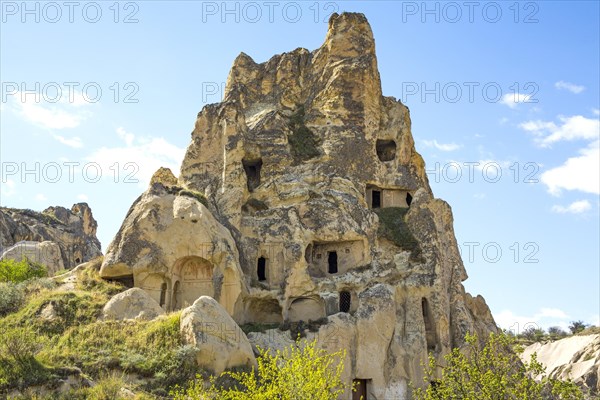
74,231
46,253
175,250
306,182
219,341
576,358
134,303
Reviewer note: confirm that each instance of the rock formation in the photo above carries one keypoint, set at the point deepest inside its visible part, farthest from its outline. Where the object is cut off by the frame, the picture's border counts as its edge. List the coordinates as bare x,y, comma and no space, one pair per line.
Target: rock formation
576,358
133,303
302,197
74,231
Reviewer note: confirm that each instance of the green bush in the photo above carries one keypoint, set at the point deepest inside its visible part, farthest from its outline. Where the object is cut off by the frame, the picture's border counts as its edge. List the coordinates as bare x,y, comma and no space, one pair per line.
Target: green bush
303,142
194,195
18,364
20,271
392,226
299,372
493,372
12,296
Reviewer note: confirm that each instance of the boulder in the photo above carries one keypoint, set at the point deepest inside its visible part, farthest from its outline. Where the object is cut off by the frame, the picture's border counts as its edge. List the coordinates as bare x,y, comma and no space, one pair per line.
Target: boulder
220,343
133,303
46,253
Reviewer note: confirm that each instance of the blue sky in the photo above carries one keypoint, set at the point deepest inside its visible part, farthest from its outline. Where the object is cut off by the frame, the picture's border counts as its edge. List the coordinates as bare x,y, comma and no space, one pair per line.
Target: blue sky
508,88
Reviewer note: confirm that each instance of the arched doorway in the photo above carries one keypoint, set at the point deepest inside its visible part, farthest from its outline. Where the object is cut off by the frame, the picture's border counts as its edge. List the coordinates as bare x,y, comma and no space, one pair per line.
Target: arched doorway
195,279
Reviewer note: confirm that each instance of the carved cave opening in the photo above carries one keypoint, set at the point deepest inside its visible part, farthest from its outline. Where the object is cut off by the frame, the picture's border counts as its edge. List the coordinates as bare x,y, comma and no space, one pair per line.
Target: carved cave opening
361,389
386,149
345,301
429,325
376,199
252,169
261,269
332,262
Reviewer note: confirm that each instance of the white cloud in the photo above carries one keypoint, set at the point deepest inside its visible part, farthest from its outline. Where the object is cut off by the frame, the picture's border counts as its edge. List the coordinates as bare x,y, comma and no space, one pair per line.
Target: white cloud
544,318
62,114
577,173
479,196
512,99
74,142
577,207
138,159
125,136
552,313
49,118
571,87
82,197
596,111
571,128
40,197
442,146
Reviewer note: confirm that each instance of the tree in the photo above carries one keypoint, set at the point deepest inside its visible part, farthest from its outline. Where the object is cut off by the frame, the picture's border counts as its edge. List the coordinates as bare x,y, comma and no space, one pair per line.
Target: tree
577,326
556,332
533,333
298,372
494,372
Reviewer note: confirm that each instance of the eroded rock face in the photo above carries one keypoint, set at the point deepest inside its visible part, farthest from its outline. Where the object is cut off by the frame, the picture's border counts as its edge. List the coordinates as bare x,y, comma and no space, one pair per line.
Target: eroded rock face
219,341
306,185
576,358
134,303
74,231
176,251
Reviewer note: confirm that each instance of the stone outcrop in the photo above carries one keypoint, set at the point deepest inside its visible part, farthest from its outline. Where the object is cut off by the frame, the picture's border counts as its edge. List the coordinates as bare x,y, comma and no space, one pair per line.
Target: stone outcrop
576,358
74,231
134,303
301,197
46,253
220,343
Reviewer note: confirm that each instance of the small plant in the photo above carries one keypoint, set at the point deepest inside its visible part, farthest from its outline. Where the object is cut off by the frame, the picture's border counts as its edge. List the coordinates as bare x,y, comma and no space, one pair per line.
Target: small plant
257,327
20,271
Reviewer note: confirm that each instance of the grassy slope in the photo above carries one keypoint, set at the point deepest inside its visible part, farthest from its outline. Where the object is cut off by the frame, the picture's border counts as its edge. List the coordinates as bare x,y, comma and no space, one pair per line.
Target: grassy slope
36,348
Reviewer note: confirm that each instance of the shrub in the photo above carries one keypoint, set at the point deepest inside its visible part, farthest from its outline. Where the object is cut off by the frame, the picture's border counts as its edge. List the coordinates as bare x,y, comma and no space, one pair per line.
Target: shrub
18,365
19,271
303,142
12,296
492,372
577,326
298,372
194,195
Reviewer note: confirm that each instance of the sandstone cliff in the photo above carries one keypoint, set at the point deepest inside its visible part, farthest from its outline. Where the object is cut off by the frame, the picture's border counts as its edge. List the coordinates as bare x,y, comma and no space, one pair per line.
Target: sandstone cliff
74,231
302,197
